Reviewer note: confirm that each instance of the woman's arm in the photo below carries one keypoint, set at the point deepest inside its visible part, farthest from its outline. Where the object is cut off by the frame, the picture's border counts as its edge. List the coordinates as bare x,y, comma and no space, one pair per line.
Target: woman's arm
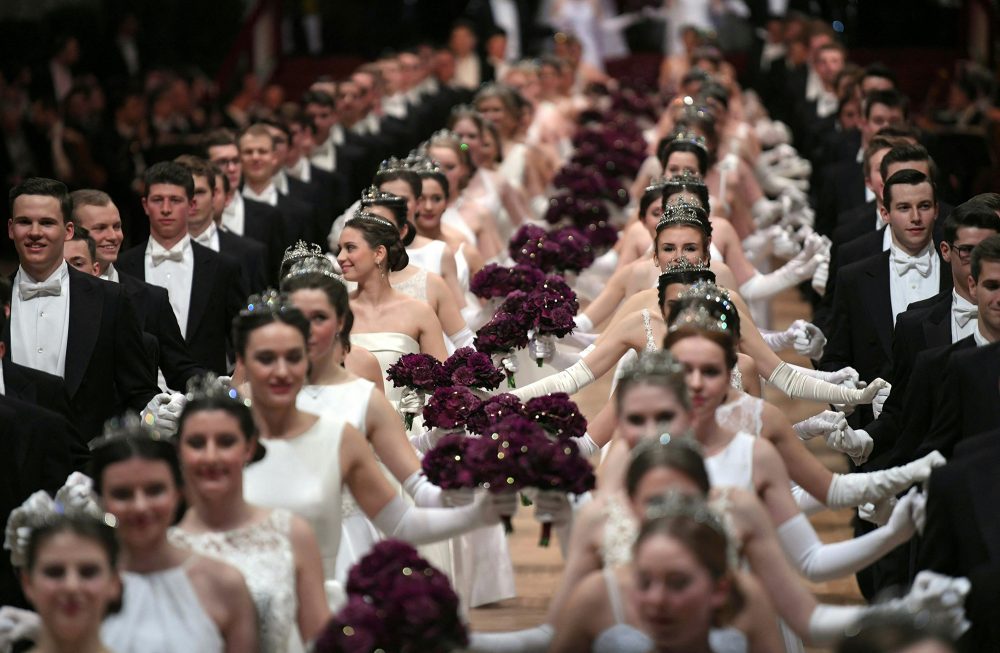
757,619
609,299
582,557
579,622
449,272
313,609
431,335
803,467
748,370
385,432
725,238
636,243
443,302
361,362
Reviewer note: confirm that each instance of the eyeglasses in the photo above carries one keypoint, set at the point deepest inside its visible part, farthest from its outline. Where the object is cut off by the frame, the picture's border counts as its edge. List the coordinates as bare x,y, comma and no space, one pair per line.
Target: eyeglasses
964,251
223,163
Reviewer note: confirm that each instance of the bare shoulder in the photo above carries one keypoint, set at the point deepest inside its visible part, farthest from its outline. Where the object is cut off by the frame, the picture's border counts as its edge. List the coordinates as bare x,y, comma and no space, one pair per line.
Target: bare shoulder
214,577
300,532
362,363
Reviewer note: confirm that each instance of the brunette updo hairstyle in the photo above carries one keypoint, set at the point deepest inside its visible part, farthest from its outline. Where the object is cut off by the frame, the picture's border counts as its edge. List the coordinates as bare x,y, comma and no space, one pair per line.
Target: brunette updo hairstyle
249,321
679,456
135,443
686,277
669,146
721,310
679,184
86,527
336,294
704,541
650,195
379,232
397,205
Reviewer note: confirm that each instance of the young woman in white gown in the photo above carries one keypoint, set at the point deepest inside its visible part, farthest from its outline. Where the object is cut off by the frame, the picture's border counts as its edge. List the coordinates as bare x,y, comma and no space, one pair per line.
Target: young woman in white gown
387,322
174,600
276,551
310,457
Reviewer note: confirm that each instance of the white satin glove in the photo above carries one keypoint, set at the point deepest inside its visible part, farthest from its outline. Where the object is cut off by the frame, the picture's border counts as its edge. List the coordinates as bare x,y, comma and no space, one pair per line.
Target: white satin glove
164,411
411,401
507,362
17,624
849,490
855,443
542,348
458,498
801,384
784,246
824,424
943,595
502,504
427,440
553,507
777,340
809,340
821,277
878,403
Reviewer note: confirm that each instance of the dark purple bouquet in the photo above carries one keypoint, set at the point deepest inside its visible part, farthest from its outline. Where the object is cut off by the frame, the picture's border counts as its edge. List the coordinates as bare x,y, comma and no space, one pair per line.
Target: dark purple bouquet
397,602
558,415
472,369
445,465
549,310
449,407
493,410
505,332
421,373
496,281
601,235
500,460
532,245
575,253
559,467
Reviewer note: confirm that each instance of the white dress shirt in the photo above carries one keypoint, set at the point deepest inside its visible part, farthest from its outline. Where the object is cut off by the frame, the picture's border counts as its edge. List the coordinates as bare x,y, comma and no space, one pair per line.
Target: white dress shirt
963,317
232,215
175,276
886,239
268,196
814,85
280,181
301,170
39,326
978,336
919,280
505,15
324,156
208,238
3,388
467,72
111,274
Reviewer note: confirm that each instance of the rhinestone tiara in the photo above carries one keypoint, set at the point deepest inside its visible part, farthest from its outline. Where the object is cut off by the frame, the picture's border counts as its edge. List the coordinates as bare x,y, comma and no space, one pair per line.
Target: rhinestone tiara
685,178
674,504
653,363
363,216
692,138
682,212
419,162
321,265
300,251
270,301
372,195
700,317
681,264
210,386
129,425
393,164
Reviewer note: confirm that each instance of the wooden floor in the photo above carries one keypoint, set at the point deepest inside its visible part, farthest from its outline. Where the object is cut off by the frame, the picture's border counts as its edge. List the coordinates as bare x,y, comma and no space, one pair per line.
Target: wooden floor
537,570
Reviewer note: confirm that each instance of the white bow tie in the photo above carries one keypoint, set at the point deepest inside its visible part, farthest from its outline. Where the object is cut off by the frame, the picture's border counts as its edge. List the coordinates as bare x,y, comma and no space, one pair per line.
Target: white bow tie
159,256
29,289
204,238
964,315
905,263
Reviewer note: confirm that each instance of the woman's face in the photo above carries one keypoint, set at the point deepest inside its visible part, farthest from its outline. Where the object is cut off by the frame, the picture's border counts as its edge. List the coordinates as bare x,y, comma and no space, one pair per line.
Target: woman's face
452,167
670,295
356,257
433,202
324,323
467,130
490,149
685,242
652,216
70,585
705,373
213,451
681,162
402,189
276,362
648,411
493,109
143,496
676,595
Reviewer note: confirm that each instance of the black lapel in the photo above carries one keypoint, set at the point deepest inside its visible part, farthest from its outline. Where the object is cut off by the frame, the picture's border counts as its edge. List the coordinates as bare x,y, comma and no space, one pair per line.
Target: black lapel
133,261
985,491
937,326
86,305
18,384
877,298
202,280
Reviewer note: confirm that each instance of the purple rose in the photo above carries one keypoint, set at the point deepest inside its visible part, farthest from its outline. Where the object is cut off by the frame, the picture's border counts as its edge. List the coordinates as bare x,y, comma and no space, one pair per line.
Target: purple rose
449,407
494,410
558,415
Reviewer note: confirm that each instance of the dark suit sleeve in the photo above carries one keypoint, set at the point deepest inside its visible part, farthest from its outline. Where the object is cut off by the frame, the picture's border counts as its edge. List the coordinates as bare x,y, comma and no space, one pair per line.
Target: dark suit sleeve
175,360
838,353
885,429
946,424
135,384
235,298
937,550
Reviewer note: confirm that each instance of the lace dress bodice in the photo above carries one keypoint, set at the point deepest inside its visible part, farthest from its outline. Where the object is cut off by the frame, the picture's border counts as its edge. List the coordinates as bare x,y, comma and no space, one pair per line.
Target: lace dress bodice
744,413
387,347
263,554
427,257
415,286
161,613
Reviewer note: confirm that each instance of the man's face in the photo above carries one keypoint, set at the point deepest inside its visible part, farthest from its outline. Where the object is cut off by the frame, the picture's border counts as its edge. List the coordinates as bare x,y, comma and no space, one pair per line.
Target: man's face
105,226
874,180
496,46
257,158
444,66
958,254
218,198
910,214
227,157
409,68
348,101
202,206
77,254
168,207
39,232
280,140
850,115
392,74
366,90
986,294
879,116
323,117
829,63
462,41
301,143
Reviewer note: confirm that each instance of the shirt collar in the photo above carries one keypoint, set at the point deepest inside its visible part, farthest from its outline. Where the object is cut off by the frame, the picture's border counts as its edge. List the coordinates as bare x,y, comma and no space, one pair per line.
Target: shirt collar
183,245
280,182
111,274
896,251
205,237
980,339
957,301
268,196
301,170
61,273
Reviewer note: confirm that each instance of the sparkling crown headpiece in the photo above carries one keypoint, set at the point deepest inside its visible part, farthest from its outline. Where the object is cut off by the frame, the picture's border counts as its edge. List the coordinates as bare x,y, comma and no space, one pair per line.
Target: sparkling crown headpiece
460,109
653,363
690,137
211,386
681,264
372,195
364,216
682,212
130,425
444,133
321,265
270,301
674,504
74,500
393,164
301,251
710,292
419,162
701,318
685,178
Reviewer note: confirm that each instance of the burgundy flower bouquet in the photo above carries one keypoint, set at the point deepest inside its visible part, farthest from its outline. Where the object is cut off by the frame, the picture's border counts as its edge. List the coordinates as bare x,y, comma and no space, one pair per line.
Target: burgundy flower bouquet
532,245
506,331
493,410
445,465
576,254
421,373
472,369
397,603
560,468
449,407
557,415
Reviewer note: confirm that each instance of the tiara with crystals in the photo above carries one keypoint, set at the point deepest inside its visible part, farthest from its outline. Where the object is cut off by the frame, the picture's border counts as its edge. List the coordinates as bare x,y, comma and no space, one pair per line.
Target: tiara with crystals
372,195
419,162
682,212
685,178
393,164
676,504
653,363
75,499
363,216
130,425
270,301
681,264
321,265
211,386
301,251
690,137
700,317
709,291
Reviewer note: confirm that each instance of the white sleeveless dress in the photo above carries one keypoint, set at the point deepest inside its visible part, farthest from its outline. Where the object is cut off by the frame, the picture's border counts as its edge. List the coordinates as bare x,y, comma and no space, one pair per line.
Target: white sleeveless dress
263,554
161,613
302,474
388,347
427,257
454,219
348,402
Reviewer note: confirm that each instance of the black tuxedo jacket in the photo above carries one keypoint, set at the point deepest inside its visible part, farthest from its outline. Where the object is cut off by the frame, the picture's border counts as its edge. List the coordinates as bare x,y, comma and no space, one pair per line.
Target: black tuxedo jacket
333,190
854,223
861,336
263,223
105,363
299,220
252,257
480,14
156,317
843,189
36,453
967,404
857,250
33,386
216,297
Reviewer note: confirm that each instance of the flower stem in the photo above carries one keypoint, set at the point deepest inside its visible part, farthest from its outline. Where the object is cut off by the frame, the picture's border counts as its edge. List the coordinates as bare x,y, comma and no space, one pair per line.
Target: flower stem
543,541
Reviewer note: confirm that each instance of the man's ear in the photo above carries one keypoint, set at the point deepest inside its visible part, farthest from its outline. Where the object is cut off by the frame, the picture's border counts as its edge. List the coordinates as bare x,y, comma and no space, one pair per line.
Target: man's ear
70,230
